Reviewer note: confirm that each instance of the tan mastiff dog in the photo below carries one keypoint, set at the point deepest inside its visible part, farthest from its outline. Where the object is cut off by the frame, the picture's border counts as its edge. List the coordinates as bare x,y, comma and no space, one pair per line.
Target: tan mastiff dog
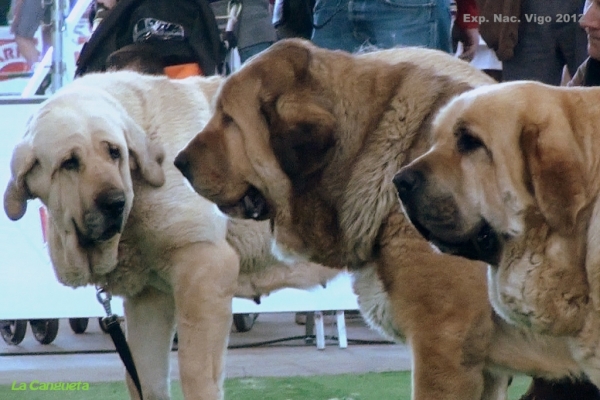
310,139
512,179
99,156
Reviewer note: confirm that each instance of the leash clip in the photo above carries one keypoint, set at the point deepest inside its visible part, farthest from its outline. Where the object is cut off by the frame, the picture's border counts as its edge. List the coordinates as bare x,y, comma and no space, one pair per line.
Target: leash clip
104,298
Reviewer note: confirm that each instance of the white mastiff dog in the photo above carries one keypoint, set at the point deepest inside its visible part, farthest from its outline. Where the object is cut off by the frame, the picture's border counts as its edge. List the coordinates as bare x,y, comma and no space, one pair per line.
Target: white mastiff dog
99,156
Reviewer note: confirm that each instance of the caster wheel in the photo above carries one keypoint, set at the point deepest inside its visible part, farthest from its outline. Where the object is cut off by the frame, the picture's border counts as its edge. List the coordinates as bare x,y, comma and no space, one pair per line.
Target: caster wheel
78,325
44,330
244,322
13,331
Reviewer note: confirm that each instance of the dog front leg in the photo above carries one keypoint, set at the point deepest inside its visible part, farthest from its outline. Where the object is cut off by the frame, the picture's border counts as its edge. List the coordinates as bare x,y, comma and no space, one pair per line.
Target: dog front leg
150,319
438,374
204,282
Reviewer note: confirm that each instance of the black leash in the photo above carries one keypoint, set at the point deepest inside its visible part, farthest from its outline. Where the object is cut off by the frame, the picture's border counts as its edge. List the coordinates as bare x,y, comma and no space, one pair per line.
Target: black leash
113,327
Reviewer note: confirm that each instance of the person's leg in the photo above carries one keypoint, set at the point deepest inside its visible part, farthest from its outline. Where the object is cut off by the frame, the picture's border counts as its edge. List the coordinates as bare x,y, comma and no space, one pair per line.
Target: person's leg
24,27
538,54
28,49
332,27
535,57
392,23
444,25
347,25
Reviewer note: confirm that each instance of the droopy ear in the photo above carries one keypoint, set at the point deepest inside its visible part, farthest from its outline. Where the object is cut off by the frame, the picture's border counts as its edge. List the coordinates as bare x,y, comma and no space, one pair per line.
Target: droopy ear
555,173
303,136
17,193
144,155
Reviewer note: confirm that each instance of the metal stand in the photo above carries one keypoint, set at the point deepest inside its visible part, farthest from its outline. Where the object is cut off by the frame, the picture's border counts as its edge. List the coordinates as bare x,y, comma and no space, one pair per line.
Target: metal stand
315,323
58,30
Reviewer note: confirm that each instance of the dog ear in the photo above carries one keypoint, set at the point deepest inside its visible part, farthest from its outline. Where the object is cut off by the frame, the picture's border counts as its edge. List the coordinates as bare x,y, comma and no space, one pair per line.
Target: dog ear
17,193
302,136
302,128
592,257
555,173
245,94
284,65
144,155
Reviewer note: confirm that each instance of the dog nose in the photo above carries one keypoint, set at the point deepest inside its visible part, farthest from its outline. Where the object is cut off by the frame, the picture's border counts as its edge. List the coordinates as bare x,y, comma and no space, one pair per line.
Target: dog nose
111,203
182,163
407,181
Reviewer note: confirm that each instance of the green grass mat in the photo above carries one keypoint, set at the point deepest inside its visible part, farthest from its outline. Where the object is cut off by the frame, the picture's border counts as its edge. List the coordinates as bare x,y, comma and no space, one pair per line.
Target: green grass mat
372,386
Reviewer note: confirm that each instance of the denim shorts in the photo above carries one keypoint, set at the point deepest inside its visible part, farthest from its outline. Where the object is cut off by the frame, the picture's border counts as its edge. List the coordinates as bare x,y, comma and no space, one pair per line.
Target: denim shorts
29,18
350,24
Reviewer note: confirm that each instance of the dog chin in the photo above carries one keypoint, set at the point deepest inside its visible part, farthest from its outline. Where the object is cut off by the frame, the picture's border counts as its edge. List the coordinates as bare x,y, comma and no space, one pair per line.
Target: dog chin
70,263
485,244
104,256
75,266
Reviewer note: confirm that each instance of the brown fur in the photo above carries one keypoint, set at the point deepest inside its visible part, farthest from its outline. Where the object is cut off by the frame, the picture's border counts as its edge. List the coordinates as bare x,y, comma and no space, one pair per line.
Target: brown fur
532,179
320,134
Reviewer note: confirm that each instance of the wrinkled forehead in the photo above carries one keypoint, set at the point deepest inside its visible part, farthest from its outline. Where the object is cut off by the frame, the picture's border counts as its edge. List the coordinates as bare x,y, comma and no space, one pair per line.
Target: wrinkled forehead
481,111
241,86
450,118
59,129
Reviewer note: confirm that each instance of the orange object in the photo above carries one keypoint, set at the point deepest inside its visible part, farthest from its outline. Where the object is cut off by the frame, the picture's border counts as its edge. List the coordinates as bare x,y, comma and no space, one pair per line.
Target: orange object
181,71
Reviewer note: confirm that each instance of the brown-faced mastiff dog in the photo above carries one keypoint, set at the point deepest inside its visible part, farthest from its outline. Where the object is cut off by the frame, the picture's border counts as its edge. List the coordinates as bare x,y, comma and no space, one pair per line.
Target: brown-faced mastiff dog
512,179
311,139
99,154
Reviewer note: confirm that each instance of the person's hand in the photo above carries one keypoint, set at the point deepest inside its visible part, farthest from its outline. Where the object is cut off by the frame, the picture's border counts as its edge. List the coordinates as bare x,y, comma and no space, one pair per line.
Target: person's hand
470,40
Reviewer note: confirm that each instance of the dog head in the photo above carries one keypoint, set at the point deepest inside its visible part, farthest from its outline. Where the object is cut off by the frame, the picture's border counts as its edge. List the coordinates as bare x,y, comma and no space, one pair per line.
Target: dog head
504,158
270,134
76,158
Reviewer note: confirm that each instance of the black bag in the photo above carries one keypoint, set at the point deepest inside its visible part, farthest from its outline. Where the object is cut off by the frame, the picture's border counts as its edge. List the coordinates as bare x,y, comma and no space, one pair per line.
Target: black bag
179,31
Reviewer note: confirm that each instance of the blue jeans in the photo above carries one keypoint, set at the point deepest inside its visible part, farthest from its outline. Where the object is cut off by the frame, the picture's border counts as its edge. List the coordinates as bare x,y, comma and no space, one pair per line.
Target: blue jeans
350,24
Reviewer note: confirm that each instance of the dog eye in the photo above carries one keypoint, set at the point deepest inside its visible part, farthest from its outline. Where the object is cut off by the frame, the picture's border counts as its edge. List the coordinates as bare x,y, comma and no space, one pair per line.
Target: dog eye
70,164
114,153
467,142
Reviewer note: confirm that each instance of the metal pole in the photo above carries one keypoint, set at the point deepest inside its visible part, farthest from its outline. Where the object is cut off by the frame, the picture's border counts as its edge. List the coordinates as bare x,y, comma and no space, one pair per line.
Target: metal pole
58,24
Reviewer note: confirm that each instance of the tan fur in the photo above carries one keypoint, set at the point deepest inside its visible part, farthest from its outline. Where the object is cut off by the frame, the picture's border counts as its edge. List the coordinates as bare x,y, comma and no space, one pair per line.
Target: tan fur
539,195
320,134
174,260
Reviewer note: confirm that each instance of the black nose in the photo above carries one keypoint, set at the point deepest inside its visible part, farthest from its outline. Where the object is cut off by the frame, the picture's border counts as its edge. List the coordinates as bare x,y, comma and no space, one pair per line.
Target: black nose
182,163
407,180
111,203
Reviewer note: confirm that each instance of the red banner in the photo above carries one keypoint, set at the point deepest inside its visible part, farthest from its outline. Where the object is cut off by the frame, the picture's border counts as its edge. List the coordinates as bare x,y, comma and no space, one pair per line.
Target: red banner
11,60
